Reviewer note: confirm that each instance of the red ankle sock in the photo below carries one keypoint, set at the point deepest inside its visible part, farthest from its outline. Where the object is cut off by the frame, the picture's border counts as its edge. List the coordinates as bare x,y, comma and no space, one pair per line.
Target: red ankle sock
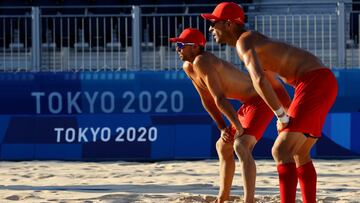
307,179
287,182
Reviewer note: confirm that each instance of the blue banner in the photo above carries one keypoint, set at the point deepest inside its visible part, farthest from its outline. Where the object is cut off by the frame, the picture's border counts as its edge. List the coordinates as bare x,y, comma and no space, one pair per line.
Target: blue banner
137,116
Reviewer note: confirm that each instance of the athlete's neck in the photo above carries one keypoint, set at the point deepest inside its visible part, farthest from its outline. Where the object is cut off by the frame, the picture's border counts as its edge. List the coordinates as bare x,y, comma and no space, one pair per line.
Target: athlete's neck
198,53
237,32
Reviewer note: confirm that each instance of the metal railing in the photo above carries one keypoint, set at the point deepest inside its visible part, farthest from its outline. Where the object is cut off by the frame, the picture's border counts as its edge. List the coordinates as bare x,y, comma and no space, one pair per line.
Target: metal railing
15,40
133,38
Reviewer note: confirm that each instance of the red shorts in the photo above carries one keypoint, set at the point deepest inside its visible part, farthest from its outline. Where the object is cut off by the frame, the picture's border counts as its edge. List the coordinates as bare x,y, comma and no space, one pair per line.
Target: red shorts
254,116
315,93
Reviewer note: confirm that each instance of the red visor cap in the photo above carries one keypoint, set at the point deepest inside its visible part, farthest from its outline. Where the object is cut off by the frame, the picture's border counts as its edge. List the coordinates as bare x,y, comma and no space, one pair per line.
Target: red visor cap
226,11
190,35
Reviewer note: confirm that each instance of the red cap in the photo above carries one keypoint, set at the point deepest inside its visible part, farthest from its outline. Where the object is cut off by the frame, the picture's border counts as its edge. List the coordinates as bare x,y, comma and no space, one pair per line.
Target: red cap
191,35
226,11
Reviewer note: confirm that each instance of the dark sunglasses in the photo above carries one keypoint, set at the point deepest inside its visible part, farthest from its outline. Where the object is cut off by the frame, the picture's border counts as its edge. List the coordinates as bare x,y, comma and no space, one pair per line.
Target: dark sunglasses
213,23
181,45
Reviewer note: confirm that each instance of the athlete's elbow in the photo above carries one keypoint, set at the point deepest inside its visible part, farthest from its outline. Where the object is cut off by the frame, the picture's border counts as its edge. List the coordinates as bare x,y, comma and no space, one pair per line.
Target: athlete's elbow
220,100
260,82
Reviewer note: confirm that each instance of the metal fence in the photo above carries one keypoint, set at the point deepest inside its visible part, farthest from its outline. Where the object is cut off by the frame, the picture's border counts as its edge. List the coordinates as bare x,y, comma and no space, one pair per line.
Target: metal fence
136,37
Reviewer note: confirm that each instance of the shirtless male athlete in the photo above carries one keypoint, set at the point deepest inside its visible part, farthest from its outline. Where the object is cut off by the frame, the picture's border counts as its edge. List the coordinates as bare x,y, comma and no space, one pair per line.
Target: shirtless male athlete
315,92
216,81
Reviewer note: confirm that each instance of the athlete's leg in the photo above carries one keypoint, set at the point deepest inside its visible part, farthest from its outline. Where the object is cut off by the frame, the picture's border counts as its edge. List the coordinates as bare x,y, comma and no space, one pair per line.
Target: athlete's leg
227,168
243,147
286,145
306,172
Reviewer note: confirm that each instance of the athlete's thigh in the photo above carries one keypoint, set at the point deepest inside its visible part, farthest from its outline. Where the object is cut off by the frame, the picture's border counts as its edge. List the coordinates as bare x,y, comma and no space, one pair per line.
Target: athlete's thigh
302,156
289,142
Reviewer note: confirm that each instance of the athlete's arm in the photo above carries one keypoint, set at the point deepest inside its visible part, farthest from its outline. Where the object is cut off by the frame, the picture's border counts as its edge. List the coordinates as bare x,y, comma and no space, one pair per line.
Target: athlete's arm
211,79
210,106
246,51
279,88
206,99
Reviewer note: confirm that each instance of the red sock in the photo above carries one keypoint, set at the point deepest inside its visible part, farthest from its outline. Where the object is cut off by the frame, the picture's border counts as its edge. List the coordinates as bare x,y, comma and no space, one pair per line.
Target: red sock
287,182
307,179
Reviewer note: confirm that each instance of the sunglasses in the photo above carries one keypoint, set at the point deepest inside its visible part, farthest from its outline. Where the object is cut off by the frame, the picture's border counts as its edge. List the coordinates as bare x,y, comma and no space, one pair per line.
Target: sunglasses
213,23
181,45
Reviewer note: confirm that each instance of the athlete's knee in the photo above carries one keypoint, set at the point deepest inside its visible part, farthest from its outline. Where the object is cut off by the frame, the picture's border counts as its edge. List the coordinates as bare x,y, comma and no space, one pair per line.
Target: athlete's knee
280,152
291,145
223,149
242,149
219,145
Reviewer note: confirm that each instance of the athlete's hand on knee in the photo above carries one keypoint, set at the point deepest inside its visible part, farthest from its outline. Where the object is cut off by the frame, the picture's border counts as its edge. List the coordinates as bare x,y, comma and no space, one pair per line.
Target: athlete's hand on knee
239,133
280,125
226,135
282,119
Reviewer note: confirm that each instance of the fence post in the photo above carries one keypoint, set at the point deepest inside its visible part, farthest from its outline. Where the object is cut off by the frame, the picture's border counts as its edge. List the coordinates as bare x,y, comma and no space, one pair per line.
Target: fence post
228,53
136,37
36,38
341,34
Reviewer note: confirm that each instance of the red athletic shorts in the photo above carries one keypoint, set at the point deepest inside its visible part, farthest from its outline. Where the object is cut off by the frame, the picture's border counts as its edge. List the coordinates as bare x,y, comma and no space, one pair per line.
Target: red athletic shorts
315,93
254,116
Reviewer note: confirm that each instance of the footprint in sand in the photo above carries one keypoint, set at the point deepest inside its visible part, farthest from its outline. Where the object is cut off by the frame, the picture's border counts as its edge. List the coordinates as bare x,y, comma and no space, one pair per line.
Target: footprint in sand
156,196
46,176
192,199
13,197
120,198
330,199
266,182
26,176
204,199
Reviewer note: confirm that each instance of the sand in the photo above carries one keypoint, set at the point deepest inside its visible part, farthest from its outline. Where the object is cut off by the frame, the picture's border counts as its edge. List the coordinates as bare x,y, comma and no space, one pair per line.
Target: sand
173,181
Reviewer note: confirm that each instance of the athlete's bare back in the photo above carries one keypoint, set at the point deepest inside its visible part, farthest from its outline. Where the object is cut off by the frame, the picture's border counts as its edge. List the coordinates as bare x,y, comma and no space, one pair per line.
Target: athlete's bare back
234,83
288,61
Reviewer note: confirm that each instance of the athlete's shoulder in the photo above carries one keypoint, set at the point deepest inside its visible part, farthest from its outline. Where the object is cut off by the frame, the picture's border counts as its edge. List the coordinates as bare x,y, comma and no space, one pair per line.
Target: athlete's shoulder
187,65
204,62
251,39
204,56
204,59
248,35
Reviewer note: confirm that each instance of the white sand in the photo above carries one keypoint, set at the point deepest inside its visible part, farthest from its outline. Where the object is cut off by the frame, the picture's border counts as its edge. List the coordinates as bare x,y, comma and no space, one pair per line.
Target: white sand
176,181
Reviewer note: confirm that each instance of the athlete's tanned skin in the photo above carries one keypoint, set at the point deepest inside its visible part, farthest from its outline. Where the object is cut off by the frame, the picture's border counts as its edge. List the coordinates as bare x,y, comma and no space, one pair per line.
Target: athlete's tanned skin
315,92
260,54
216,81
